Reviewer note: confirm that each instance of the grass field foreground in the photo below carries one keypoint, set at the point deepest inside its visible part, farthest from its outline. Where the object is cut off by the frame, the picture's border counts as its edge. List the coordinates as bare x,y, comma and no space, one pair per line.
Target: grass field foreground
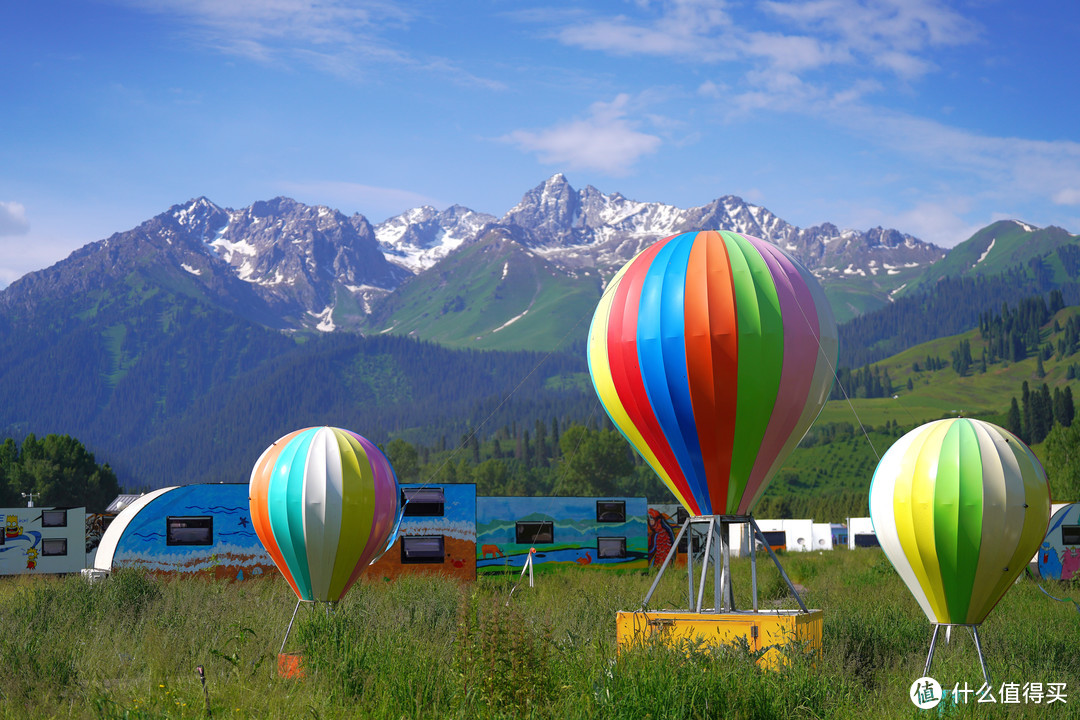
428,647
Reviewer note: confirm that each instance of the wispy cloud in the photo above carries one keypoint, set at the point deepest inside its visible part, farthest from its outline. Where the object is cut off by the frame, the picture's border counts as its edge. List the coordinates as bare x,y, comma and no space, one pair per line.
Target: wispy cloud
339,37
260,28
676,28
606,140
375,203
941,221
13,219
890,35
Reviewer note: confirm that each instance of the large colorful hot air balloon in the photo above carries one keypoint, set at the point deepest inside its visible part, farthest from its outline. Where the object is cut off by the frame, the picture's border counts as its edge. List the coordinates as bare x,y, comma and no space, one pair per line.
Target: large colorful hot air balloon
713,353
324,502
960,507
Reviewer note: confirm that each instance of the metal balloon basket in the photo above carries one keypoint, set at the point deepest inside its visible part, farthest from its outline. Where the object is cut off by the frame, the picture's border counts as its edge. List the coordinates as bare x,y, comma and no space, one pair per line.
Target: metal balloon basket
723,622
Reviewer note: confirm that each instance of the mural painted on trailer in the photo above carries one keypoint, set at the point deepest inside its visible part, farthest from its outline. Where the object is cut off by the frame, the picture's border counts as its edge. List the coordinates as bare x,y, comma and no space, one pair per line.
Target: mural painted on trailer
437,533
195,529
605,533
42,540
1059,556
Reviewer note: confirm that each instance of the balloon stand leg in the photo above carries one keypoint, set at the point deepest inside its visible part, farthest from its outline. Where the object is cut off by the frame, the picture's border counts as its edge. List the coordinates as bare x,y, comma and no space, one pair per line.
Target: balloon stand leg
763,633
291,664
930,655
776,561
717,552
289,629
978,649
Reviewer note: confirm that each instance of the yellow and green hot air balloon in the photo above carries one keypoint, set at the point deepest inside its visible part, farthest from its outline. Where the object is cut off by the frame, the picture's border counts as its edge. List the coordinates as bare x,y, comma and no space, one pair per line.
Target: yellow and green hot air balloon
959,506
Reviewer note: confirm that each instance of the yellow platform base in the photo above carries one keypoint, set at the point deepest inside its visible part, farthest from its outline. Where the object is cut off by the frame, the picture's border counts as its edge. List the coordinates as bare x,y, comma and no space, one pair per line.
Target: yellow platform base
764,631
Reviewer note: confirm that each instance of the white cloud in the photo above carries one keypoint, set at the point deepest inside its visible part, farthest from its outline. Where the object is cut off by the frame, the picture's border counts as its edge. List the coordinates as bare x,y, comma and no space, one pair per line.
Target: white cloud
889,33
604,141
679,28
892,35
793,52
13,219
338,37
375,203
941,221
1067,196
254,27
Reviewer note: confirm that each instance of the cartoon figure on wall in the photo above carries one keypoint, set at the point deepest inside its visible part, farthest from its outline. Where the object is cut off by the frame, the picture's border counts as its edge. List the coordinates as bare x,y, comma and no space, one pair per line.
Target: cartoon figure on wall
13,529
1070,563
1049,562
661,537
31,558
1059,554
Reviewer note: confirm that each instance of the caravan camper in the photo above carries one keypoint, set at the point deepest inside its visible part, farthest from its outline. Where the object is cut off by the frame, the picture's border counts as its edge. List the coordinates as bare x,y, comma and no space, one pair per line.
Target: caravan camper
37,540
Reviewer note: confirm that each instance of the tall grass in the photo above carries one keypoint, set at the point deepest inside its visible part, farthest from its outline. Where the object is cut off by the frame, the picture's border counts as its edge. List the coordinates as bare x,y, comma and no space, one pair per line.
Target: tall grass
429,647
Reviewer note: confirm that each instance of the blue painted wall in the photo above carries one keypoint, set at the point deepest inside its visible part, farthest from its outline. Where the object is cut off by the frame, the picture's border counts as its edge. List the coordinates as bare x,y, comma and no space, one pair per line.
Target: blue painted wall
576,530
236,551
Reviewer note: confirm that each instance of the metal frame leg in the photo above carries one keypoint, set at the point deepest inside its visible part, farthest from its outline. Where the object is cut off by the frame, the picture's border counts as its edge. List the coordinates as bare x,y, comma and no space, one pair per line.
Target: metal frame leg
753,564
779,567
978,648
705,563
690,564
726,586
667,561
289,630
930,656
718,575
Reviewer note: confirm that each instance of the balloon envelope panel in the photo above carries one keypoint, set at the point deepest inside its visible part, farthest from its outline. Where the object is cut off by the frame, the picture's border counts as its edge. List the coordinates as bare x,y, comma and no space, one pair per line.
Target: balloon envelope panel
959,506
323,502
713,353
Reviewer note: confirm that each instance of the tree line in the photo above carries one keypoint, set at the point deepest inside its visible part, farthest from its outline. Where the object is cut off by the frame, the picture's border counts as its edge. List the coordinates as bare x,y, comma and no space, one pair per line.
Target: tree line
56,470
952,306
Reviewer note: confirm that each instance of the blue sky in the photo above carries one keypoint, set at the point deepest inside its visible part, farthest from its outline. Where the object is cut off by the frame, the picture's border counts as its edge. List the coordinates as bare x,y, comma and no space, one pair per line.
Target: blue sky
932,117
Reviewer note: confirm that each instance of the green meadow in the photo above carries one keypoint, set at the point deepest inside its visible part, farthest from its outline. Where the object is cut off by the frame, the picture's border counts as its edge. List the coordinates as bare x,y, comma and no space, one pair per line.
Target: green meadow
429,647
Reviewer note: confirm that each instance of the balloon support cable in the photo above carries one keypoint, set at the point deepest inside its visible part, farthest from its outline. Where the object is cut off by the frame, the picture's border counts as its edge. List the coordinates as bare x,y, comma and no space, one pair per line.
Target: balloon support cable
718,553
948,632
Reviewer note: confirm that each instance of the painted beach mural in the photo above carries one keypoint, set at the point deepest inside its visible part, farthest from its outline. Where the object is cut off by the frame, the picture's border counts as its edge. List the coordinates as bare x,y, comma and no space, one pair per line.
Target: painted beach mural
203,528
437,533
608,533
207,529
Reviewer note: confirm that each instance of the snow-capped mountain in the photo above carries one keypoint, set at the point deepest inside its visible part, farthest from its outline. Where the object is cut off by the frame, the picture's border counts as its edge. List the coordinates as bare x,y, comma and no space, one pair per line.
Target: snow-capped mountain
291,265
419,238
279,262
588,228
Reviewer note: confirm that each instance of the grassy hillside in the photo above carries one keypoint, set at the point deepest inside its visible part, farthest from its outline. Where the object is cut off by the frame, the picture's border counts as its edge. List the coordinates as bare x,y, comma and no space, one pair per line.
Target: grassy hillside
999,247
852,295
842,450
942,392
493,295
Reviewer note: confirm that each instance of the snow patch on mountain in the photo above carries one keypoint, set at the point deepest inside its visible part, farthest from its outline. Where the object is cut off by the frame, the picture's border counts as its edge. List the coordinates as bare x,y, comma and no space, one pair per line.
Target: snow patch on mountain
986,252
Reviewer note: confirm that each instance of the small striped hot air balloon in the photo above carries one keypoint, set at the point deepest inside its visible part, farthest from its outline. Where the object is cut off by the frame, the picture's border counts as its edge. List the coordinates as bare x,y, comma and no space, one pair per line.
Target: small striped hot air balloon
960,507
324,503
713,353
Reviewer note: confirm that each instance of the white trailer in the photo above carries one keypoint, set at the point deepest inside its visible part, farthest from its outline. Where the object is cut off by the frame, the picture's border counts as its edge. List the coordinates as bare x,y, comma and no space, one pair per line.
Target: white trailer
43,540
861,533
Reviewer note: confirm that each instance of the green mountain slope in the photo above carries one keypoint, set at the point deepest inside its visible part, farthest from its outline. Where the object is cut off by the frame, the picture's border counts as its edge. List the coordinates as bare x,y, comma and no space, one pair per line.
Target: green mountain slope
838,457
492,295
169,388
1004,245
854,295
